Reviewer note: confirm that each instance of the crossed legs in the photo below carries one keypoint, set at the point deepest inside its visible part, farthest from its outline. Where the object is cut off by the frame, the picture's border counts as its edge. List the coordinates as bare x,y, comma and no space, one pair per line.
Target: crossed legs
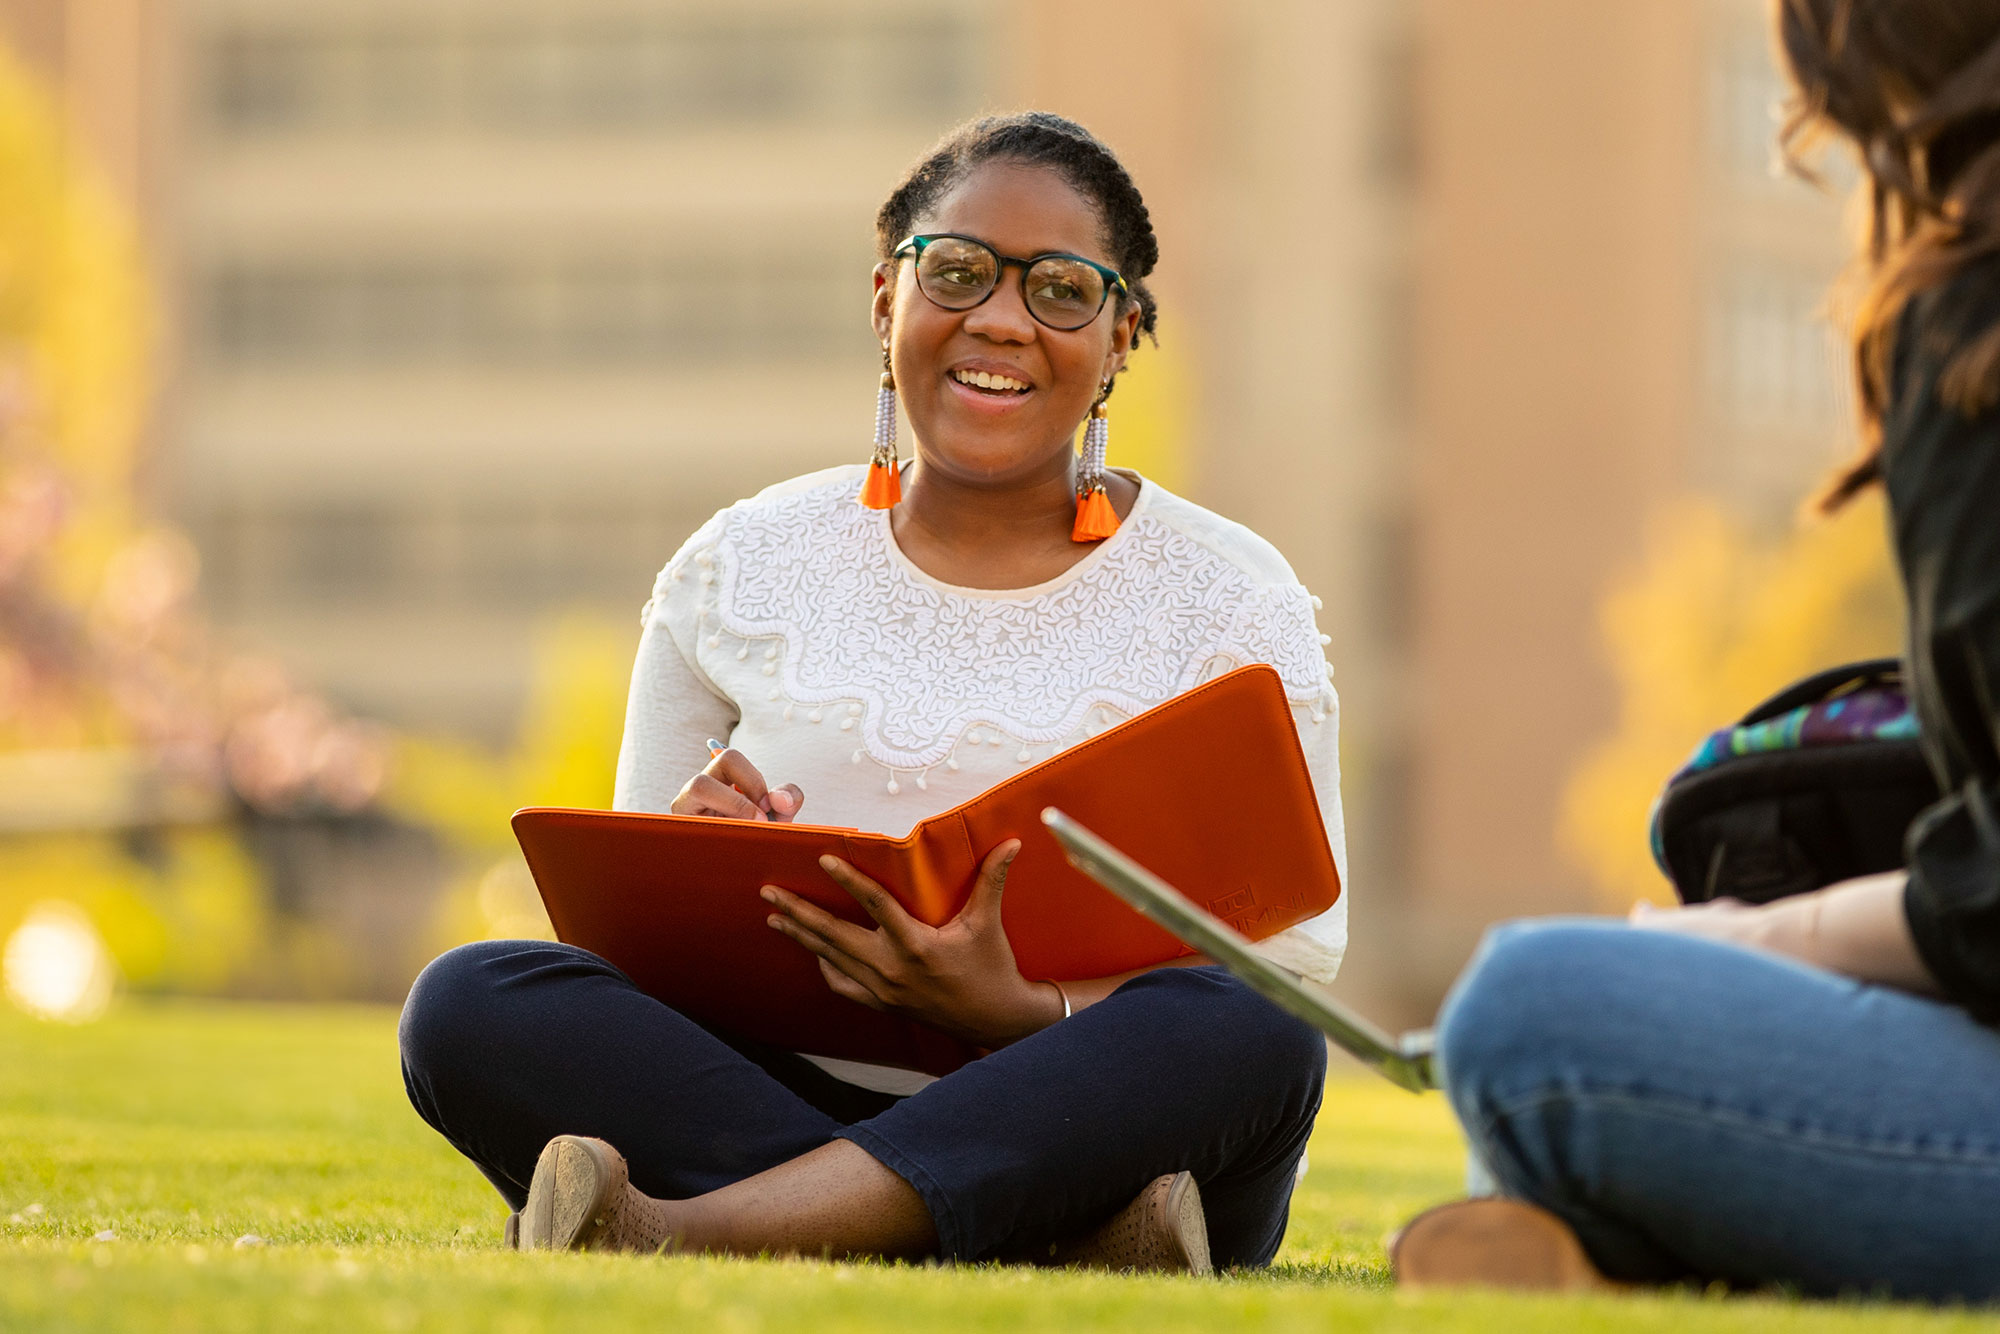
1697,1110
508,1044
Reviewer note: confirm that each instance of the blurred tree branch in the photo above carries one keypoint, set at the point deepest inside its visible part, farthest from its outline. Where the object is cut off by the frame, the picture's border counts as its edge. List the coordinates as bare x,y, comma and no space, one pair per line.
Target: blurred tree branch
1711,622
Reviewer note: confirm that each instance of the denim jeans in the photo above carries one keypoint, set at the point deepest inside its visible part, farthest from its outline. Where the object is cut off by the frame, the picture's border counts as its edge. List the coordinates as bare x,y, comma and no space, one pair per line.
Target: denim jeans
1699,1111
507,1044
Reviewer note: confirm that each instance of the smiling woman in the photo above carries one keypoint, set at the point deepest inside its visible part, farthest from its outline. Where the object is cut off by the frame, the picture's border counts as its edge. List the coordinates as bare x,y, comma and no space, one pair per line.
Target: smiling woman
888,641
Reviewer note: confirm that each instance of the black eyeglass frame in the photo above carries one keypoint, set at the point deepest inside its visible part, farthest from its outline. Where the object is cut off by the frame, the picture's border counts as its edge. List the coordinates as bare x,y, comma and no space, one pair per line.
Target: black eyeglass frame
1112,278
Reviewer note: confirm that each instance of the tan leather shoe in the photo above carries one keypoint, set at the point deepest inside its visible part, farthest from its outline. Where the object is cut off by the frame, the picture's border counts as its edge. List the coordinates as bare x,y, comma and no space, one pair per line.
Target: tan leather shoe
1163,1231
581,1199
1493,1243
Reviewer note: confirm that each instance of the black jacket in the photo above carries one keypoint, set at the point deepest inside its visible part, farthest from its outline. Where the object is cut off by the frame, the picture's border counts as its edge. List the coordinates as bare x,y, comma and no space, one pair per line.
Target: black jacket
1943,475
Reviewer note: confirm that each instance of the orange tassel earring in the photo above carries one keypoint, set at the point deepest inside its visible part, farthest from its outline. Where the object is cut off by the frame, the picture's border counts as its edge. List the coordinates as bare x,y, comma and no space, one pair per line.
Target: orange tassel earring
1095,519
884,486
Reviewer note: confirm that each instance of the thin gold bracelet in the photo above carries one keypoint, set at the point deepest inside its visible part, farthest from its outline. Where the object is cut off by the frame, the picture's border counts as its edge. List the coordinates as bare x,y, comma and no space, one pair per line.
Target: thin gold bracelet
1067,1011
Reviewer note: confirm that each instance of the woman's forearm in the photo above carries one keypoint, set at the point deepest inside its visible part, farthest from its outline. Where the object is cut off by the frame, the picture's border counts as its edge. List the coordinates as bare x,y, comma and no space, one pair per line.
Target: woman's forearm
1086,992
1857,928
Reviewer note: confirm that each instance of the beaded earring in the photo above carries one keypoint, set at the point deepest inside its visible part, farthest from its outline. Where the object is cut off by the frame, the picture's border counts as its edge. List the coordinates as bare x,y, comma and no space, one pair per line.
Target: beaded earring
1095,519
884,486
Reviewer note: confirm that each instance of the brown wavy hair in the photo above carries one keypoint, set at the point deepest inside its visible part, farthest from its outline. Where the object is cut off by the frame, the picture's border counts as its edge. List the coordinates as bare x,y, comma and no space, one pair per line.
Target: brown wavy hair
1914,86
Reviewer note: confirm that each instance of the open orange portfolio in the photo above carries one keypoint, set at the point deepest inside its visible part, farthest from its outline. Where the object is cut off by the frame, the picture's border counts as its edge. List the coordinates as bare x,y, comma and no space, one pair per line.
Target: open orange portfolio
1209,791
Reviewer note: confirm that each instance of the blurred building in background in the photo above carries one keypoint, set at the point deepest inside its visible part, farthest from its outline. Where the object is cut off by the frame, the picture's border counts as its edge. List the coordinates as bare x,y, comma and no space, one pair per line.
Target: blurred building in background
474,311
1617,305
484,307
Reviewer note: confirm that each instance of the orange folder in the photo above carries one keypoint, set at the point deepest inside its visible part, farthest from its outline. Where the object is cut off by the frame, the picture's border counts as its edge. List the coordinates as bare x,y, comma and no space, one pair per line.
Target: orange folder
1209,791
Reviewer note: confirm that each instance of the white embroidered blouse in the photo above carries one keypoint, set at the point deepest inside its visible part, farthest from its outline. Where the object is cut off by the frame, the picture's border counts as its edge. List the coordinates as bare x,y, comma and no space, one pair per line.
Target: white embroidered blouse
792,626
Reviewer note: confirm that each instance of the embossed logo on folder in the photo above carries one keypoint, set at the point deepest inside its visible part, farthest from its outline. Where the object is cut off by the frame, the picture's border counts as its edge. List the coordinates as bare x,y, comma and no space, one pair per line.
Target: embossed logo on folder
1243,911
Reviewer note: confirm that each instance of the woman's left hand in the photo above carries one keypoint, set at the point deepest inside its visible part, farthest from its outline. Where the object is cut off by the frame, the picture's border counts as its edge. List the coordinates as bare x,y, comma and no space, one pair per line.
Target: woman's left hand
959,978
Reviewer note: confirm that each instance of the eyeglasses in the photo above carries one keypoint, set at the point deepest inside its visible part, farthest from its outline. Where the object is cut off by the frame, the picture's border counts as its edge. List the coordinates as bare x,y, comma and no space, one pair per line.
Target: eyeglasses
1061,291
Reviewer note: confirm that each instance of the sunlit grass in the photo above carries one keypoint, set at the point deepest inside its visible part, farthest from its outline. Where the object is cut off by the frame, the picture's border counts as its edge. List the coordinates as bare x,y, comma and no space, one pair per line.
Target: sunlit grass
181,1128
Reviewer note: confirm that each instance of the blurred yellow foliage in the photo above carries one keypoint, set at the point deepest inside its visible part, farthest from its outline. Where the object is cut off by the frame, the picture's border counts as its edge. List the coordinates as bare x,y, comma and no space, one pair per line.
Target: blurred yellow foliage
1712,622
186,915
75,323
1149,416
566,754
99,654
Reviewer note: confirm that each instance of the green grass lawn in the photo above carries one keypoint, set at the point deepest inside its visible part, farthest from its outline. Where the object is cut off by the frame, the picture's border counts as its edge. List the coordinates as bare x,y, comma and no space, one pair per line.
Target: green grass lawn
178,1128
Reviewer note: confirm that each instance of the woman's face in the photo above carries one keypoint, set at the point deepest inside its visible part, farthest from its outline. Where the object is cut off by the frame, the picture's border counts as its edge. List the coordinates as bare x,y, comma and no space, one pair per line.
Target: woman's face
1000,436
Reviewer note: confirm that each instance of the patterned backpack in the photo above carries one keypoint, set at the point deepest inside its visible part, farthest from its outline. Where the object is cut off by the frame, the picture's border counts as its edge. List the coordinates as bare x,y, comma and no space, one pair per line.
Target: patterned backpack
1818,783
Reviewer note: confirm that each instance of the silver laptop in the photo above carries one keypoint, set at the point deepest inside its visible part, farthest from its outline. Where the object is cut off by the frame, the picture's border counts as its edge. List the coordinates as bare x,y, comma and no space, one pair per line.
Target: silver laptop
1405,1060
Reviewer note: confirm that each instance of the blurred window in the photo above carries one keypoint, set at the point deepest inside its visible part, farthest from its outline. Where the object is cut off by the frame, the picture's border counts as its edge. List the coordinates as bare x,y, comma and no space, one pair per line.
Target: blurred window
1746,110
1746,93
786,300
1394,346
579,550
398,76
1774,363
264,81
504,557
553,554
1775,386
1392,128
342,553
589,74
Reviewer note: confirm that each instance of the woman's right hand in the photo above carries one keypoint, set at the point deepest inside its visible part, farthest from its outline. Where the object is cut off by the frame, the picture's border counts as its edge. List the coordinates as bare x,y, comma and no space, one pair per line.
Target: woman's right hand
731,787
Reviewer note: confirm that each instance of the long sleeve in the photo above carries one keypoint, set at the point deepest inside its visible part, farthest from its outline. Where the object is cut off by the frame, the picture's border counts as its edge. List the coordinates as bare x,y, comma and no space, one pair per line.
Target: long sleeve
1276,625
1314,948
673,707
1943,474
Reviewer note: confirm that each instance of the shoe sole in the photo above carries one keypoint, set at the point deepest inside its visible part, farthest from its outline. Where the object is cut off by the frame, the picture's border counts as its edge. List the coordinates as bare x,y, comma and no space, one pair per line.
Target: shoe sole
1493,1243
576,1180
1189,1224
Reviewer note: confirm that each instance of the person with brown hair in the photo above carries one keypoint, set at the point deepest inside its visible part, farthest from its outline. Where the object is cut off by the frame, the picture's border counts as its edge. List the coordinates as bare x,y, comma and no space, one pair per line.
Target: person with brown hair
1805,1093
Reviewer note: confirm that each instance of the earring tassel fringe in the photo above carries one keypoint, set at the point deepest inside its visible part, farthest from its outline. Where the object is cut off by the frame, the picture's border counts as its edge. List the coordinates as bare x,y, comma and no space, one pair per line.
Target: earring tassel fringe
1095,519
883,488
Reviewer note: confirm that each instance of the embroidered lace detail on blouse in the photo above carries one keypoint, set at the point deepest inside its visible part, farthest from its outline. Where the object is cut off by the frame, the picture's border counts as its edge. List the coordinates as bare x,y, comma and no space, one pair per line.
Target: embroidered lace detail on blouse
820,575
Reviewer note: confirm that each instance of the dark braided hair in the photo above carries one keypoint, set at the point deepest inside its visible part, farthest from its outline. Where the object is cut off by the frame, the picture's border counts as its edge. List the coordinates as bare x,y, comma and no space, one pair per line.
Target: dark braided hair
1039,139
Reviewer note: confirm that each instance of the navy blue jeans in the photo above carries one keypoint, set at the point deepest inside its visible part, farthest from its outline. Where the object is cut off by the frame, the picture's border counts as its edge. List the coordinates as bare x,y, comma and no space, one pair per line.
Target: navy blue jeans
507,1044
1696,1110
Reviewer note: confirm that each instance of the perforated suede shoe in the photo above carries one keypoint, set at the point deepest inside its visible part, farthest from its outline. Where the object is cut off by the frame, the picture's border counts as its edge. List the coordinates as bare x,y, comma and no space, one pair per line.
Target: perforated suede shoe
1163,1231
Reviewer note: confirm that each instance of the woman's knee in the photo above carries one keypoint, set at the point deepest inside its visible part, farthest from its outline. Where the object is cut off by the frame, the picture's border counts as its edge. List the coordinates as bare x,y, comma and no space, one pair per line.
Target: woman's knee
445,994
1542,998
463,992
1239,1029
1273,1036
